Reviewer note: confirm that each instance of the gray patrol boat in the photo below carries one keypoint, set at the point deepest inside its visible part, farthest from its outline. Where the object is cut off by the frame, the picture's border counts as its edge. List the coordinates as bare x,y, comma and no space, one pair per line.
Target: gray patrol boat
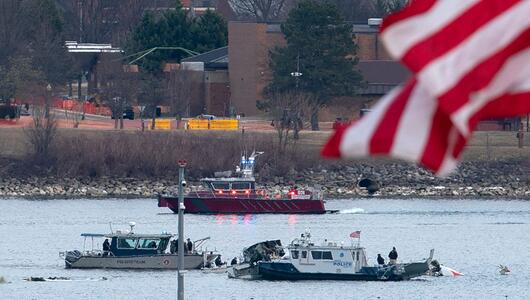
129,250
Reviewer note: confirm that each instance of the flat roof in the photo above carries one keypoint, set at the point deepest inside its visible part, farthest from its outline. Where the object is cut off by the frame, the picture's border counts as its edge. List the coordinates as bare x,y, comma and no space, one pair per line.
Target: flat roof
128,235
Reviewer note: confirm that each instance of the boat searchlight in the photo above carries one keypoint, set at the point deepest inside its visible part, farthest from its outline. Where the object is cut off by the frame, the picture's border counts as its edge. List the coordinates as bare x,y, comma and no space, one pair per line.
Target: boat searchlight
132,224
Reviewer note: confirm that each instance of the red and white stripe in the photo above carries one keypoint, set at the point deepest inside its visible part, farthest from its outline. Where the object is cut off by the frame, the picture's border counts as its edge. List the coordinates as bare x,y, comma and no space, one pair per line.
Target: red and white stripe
456,47
472,61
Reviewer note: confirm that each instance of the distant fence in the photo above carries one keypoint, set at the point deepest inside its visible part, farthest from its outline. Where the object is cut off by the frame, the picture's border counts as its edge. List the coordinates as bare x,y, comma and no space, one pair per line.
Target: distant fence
221,124
87,107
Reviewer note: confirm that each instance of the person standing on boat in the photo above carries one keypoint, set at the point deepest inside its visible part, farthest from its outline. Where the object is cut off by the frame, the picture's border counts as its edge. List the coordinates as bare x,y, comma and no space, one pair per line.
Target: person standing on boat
380,260
393,255
218,261
173,247
190,246
234,261
106,247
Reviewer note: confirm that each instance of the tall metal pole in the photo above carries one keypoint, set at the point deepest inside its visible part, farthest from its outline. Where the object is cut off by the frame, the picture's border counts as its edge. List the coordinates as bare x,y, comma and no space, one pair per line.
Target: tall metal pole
180,265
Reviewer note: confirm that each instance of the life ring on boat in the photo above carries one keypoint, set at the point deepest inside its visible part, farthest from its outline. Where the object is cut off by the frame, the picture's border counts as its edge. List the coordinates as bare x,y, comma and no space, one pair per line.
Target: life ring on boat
166,262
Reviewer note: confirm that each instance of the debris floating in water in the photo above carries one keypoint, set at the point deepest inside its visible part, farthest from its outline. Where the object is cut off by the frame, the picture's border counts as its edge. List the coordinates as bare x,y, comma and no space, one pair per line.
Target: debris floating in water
59,278
503,270
2,280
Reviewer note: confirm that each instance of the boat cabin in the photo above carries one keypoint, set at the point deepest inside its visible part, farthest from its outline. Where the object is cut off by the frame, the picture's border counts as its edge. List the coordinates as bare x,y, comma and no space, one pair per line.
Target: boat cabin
131,244
329,257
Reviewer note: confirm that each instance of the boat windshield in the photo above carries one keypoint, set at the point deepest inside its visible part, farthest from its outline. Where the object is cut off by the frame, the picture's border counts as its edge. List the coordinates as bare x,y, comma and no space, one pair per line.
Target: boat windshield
124,243
241,185
221,185
148,243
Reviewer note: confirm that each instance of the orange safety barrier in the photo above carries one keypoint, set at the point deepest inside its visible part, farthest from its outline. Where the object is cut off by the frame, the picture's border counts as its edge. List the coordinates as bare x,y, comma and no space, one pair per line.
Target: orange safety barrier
221,124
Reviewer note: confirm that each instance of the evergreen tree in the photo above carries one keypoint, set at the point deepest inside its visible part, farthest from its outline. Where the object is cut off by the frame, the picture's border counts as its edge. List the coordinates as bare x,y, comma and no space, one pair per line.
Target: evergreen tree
176,28
320,46
209,32
145,36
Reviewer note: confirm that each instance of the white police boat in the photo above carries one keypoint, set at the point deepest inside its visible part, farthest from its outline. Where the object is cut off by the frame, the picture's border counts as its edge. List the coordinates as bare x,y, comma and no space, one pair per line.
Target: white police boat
331,261
129,250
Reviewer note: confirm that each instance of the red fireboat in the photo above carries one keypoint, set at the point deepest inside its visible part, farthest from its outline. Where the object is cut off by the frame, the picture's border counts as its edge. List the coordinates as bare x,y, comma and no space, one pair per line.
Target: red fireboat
238,195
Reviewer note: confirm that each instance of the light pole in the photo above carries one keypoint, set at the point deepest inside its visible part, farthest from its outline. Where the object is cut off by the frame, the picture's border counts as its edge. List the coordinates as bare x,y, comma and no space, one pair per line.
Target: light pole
296,75
180,264
47,104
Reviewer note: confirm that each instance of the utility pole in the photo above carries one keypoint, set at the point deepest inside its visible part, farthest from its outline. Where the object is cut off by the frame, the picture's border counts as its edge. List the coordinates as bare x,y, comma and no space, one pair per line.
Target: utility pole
520,135
180,264
80,4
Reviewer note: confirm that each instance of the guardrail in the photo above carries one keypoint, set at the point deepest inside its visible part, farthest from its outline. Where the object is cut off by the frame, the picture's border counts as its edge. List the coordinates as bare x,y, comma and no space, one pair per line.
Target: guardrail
163,124
221,124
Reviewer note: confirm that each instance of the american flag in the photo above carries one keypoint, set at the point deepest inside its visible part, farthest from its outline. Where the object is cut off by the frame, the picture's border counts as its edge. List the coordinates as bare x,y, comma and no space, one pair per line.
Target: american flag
471,61
356,234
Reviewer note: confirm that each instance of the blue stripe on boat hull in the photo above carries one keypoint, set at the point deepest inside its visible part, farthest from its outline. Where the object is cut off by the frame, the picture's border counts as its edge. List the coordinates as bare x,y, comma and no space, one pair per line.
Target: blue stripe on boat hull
286,271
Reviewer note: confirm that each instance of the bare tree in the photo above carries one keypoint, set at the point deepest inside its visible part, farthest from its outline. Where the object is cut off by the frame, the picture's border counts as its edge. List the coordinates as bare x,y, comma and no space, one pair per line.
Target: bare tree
41,133
118,87
381,8
22,79
74,114
11,29
153,93
180,90
288,110
260,10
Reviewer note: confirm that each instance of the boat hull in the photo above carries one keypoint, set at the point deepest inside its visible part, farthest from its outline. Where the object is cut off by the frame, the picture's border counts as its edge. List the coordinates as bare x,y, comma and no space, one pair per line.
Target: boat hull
244,271
287,271
168,262
244,205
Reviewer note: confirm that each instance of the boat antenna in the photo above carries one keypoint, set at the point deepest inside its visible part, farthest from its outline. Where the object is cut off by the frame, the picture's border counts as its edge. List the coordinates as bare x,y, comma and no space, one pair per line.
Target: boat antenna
110,225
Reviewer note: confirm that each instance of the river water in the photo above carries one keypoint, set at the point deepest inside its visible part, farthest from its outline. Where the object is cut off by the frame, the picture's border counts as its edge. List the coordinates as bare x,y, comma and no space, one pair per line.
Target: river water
471,236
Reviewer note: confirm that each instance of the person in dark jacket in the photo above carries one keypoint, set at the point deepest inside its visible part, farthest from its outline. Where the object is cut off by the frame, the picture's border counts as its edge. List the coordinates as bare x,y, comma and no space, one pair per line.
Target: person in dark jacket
173,247
218,261
190,245
380,260
393,255
234,261
106,247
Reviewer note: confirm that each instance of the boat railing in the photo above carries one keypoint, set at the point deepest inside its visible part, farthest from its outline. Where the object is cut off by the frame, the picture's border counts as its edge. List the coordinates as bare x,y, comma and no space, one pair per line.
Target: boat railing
211,194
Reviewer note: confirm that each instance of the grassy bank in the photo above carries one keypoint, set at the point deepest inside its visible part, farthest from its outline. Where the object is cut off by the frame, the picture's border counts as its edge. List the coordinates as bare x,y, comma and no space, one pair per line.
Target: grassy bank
96,153
148,154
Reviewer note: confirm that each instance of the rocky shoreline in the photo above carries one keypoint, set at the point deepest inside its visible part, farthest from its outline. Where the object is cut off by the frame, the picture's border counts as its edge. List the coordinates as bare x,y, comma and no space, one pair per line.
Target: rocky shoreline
473,179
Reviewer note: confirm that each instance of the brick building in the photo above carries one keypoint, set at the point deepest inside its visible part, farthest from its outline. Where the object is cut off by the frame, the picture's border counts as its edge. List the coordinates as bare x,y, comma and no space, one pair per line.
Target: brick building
206,78
248,62
249,45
